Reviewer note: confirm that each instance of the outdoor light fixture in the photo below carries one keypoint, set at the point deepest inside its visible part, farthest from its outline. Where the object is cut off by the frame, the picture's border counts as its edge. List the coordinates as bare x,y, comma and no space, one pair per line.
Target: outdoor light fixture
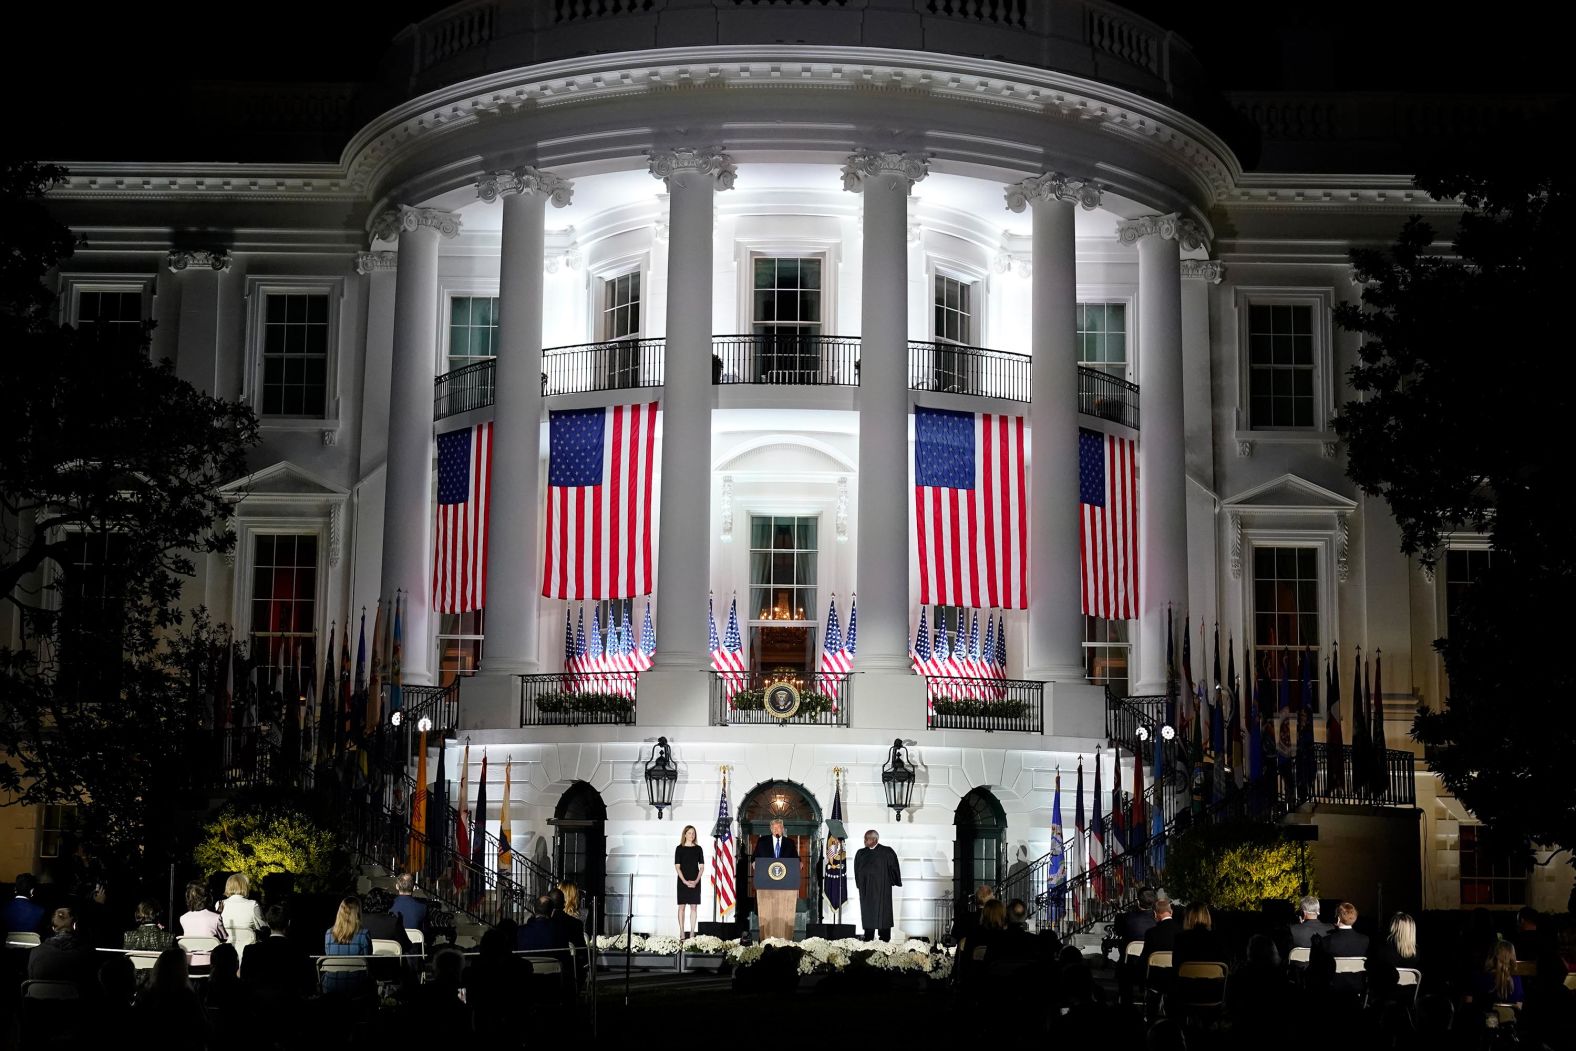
1168,732
662,775
1143,733
424,724
396,718
897,779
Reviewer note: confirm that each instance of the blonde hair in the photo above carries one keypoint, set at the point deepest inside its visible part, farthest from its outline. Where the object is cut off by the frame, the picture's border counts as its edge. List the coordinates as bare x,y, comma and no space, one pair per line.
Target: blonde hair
1501,966
1403,935
348,920
571,897
237,884
685,835
1198,916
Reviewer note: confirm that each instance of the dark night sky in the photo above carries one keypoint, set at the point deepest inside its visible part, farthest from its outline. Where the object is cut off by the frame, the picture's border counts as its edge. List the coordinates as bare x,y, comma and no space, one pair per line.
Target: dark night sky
120,62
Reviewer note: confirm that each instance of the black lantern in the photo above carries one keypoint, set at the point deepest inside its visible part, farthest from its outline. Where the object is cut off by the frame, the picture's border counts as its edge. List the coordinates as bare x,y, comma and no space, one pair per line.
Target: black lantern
661,777
897,778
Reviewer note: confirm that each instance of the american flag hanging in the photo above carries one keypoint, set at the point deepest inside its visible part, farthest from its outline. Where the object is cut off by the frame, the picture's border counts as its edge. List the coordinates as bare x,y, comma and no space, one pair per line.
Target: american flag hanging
459,563
722,855
599,502
1108,525
970,509
834,658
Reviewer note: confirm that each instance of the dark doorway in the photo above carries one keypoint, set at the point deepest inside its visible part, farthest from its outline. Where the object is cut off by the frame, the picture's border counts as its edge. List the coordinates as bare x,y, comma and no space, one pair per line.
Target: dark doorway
801,817
580,847
979,852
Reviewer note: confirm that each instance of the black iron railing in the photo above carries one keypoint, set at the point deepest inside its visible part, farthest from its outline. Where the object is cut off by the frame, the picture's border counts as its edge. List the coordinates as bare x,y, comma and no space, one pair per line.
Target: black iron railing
464,389
1108,397
579,698
985,704
618,364
954,368
740,698
786,358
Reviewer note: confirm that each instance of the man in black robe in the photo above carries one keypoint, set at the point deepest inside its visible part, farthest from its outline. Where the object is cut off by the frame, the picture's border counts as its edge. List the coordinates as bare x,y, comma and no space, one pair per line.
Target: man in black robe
875,874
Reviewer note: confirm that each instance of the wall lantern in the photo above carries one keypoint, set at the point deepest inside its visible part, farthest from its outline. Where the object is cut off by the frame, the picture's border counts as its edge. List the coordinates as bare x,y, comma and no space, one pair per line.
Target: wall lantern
662,776
897,779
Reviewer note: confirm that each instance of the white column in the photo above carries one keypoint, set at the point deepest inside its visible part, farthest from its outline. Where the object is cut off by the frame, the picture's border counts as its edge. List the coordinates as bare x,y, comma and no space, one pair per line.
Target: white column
1162,470
1055,650
379,270
513,569
407,509
885,495
200,275
692,177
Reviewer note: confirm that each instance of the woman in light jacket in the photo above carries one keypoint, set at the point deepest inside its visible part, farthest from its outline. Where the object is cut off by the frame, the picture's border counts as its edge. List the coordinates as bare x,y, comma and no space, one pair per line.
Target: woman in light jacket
243,917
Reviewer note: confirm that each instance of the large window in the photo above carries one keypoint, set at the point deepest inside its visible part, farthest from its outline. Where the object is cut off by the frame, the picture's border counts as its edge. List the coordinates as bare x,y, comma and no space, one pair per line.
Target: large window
459,644
621,306
1463,567
785,309
783,607
1102,337
954,316
1489,876
1280,366
91,606
473,330
57,829
1107,645
1286,613
284,598
295,354
116,312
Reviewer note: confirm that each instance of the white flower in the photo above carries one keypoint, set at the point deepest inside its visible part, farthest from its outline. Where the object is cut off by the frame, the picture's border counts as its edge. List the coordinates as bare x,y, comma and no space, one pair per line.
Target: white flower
807,964
660,945
707,943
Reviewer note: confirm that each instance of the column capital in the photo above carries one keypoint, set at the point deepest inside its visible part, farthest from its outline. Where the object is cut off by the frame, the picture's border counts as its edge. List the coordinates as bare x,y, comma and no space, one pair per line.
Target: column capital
863,164
389,224
1052,186
366,262
523,181
702,160
1211,270
1168,227
204,258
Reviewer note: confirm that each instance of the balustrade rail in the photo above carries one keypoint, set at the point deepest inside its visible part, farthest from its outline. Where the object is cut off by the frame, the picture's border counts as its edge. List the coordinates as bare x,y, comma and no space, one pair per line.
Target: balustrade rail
786,359
954,368
985,704
618,364
465,389
740,699
578,698
1107,397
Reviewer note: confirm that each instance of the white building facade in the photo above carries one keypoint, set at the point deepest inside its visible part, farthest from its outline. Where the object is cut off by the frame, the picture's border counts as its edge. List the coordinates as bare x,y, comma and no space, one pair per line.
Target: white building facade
790,247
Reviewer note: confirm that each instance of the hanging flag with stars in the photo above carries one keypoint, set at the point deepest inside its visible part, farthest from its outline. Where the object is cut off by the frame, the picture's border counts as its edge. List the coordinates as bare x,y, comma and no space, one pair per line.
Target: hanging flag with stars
1108,525
834,659
459,560
599,502
971,514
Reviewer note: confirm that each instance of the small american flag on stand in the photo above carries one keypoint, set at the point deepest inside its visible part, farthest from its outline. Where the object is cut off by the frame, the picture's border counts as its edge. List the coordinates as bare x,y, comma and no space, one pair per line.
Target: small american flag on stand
834,658
722,854
459,563
648,642
1108,530
599,502
727,655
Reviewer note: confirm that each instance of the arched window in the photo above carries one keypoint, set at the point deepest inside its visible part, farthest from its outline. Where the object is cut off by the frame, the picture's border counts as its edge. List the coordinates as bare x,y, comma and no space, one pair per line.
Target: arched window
580,844
801,818
979,852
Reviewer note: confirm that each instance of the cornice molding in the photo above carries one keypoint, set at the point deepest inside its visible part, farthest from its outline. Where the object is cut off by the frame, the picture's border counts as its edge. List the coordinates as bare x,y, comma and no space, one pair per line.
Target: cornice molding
865,164
1211,270
180,259
676,162
390,224
1169,227
526,181
1052,186
366,262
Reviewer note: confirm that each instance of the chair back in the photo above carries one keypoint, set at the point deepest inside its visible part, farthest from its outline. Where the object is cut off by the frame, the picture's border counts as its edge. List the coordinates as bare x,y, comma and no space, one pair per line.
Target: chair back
143,961
1201,983
1524,968
1570,981
1505,1014
978,955
1299,956
417,939
341,964
1408,976
197,943
22,939
1206,969
42,989
1133,949
1350,964
386,947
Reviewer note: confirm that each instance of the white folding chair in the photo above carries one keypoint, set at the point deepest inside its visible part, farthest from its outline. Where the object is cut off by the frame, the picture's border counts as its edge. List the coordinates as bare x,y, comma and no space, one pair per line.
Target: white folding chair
1159,961
1299,956
143,961
418,940
194,943
1190,974
1350,964
386,947
1132,951
341,965
22,939
1409,979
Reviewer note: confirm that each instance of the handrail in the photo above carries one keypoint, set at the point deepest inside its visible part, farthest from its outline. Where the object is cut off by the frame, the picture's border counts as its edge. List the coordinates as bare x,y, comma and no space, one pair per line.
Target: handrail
609,364
785,359
465,389
961,703
739,699
578,698
956,368
1107,397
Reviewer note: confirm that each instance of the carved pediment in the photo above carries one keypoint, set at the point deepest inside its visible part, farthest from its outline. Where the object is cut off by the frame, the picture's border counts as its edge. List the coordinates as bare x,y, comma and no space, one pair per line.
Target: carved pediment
283,479
1289,494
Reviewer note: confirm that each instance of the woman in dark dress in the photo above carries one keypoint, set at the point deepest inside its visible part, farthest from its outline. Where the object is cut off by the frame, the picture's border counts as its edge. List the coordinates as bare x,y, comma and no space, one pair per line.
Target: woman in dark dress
688,859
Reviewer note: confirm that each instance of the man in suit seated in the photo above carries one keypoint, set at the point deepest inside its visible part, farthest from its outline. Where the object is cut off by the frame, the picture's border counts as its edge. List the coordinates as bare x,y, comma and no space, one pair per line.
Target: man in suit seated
540,933
409,908
1327,948
22,913
384,925
1162,937
274,966
1131,926
64,956
1302,934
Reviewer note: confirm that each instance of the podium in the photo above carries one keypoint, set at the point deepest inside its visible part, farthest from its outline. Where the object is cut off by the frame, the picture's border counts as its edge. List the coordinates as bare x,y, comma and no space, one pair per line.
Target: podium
776,894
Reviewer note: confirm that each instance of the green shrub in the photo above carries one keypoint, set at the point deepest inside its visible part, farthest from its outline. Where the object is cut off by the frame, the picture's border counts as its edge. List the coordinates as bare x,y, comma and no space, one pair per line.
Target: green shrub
975,707
564,702
268,841
1235,866
809,703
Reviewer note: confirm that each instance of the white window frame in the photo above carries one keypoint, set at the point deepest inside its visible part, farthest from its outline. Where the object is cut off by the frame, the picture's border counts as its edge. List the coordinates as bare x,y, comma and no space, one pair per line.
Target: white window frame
72,285
823,593
604,279
1452,542
246,532
747,251
976,291
445,306
258,289
1324,543
1127,297
1321,301
1129,316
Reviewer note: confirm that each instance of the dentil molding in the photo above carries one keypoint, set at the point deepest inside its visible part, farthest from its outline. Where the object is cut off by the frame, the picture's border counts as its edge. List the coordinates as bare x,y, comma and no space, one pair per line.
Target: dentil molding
390,224
1168,227
526,181
366,262
205,258
865,164
1052,186
680,161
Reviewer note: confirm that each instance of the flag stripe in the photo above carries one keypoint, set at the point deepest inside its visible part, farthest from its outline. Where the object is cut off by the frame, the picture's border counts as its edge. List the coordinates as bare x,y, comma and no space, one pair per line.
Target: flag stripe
971,510
1108,526
599,503
459,564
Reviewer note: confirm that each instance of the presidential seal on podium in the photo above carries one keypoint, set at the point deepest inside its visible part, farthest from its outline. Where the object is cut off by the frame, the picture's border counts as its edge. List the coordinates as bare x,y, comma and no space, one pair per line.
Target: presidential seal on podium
777,871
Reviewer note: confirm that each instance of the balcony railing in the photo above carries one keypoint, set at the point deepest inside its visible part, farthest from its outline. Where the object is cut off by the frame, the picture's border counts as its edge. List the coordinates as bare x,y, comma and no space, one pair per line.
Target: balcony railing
985,704
786,359
957,369
464,389
1108,397
579,699
823,701
620,364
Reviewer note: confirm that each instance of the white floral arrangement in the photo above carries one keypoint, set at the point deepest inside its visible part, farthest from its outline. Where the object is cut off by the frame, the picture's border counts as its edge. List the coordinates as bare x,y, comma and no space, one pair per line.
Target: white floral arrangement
618,943
709,943
825,956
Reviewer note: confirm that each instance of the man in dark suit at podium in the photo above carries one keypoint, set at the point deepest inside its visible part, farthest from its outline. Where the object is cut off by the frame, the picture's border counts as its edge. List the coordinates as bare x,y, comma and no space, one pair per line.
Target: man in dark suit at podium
776,906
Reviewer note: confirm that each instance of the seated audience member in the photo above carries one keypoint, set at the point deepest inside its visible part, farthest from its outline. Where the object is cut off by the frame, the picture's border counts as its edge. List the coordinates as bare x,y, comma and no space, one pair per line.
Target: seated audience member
540,933
199,921
969,919
411,910
276,966
1162,937
170,1006
1258,994
1497,982
1397,949
223,991
64,956
242,917
147,935
566,921
1197,939
1343,941
1530,940
22,914
347,937
1015,943
1301,934
381,922
437,1010
571,898
1132,925
496,982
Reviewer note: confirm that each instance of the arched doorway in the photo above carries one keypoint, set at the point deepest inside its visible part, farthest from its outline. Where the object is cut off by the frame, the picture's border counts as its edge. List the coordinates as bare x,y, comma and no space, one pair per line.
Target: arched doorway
580,844
801,817
979,852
